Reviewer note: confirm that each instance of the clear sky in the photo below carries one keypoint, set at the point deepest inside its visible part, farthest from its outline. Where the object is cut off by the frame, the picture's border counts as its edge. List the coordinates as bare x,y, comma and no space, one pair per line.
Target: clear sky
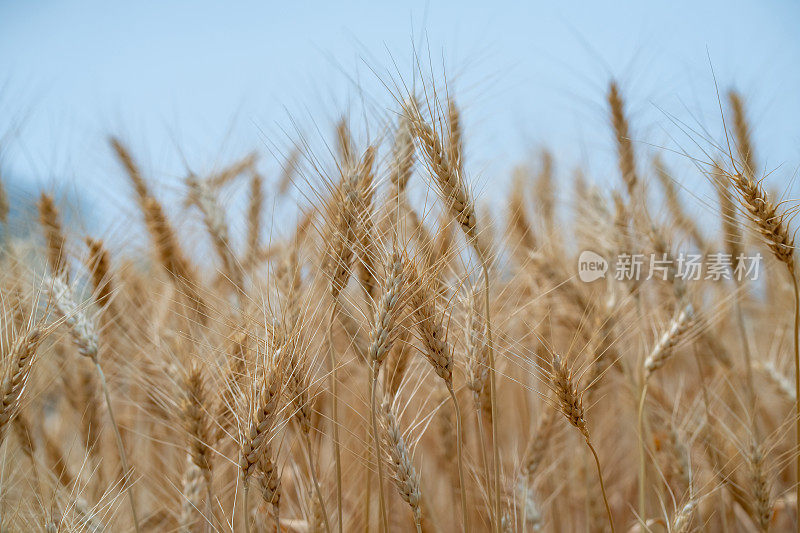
209,81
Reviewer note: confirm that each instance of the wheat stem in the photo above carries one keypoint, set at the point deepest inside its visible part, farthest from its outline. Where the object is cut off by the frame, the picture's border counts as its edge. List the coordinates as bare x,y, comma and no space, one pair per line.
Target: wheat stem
246,505
315,482
748,361
642,452
376,441
120,446
492,392
459,444
482,438
337,457
602,484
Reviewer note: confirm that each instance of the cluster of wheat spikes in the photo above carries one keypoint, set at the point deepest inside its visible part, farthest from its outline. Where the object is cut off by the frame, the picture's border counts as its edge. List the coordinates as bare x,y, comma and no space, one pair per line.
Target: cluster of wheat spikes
394,362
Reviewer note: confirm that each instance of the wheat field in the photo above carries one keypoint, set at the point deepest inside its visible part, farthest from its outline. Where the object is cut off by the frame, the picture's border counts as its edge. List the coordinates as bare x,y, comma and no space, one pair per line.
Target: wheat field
402,358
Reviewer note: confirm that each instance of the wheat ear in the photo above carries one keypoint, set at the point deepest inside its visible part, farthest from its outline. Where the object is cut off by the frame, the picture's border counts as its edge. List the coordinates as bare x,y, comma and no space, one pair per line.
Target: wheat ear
53,234
255,216
162,235
657,357
682,520
263,408
405,475
348,204
217,229
195,419
741,129
84,336
16,376
519,225
571,406
5,208
382,336
762,503
269,480
625,154
771,223
449,180
439,354
236,169
477,365
403,155
99,264
298,388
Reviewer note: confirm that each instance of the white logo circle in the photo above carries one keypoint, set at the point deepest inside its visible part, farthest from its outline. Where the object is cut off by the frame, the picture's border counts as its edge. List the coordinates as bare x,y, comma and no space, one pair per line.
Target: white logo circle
591,266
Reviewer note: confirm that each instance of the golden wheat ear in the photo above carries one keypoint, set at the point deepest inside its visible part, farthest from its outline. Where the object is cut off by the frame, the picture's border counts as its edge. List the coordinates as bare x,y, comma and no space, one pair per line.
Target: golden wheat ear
15,376
5,207
741,129
54,234
625,153
405,475
570,402
769,220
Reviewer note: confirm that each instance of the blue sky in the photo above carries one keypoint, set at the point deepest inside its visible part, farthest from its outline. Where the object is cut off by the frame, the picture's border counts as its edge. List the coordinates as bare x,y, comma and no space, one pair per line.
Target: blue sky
208,81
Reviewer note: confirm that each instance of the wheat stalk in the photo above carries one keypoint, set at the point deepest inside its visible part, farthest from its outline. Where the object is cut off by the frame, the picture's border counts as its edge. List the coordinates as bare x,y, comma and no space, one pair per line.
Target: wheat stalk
84,336
382,337
570,403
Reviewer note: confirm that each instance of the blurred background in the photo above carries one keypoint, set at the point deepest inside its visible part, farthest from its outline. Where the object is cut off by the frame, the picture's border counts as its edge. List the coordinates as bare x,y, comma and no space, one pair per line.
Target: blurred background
199,84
